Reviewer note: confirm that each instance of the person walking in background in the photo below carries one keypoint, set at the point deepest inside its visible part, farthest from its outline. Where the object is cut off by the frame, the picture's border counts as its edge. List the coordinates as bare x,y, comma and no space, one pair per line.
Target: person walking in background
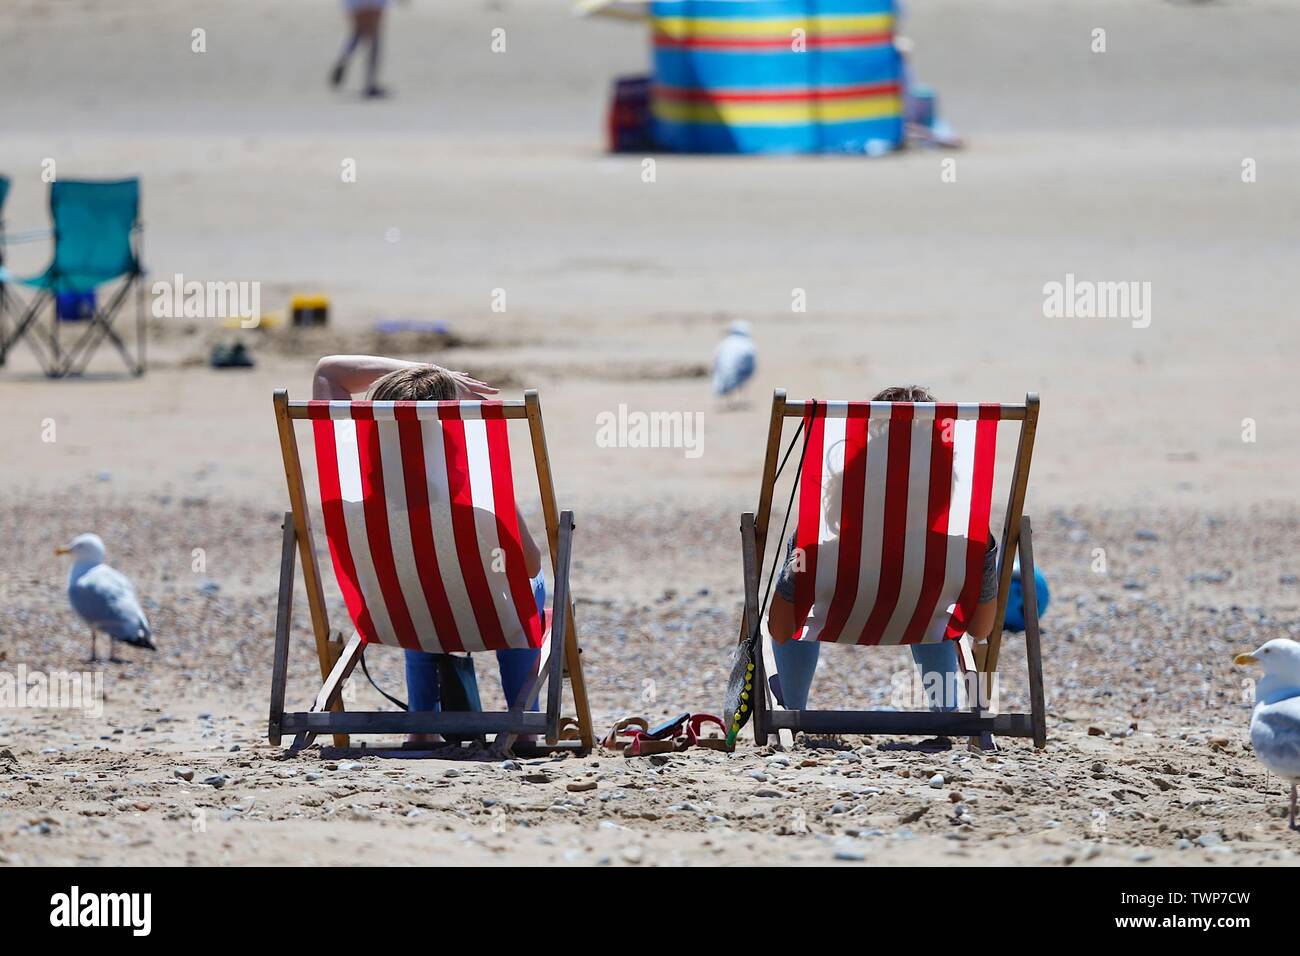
366,17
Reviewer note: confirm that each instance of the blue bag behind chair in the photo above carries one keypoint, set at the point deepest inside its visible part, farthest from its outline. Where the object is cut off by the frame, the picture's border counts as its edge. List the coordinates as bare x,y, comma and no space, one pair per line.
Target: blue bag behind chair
1015,620
75,306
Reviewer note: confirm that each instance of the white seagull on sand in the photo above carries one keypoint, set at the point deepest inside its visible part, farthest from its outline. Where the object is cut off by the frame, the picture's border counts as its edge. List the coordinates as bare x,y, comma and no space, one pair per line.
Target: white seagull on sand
1275,722
104,597
734,360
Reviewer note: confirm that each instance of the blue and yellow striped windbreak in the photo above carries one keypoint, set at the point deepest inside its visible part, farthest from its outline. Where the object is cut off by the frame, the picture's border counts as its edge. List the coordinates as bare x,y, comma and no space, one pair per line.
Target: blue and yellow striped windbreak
756,76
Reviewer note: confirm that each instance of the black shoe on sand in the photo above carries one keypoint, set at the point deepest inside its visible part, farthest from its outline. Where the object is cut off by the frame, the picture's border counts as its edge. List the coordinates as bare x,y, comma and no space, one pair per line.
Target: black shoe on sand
336,75
375,92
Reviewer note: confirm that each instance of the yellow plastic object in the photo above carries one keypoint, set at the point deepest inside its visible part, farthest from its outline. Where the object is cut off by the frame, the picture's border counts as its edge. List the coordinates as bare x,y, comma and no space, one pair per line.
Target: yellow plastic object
309,310
267,320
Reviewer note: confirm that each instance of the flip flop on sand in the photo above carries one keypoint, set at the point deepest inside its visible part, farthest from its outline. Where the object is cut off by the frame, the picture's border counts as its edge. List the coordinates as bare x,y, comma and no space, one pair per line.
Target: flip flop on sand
643,745
665,738
619,735
695,733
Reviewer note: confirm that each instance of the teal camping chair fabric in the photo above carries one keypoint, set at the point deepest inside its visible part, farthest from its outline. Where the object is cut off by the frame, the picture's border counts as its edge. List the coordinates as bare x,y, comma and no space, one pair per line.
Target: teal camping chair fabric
96,241
93,235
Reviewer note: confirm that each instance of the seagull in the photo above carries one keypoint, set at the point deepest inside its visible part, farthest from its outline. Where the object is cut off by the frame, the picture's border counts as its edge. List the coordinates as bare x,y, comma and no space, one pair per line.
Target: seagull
1275,722
104,597
734,359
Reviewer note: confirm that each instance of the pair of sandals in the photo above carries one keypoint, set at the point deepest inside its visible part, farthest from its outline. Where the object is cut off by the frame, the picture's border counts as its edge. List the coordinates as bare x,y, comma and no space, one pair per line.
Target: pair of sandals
636,738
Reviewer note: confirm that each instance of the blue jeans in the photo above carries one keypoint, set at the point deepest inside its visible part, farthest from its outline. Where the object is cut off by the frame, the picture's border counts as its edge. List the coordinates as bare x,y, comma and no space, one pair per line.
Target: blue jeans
797,662
517,666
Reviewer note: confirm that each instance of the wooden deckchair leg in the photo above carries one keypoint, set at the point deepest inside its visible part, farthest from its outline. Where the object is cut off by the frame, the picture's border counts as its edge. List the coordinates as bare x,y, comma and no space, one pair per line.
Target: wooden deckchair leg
770,458
328,695
1011,535
550,511
578,683
560,630
763,700
327,650
1033,646
283,621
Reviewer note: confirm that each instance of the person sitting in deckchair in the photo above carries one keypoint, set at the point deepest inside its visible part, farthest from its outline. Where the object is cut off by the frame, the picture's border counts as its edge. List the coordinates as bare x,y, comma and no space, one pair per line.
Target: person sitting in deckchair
338,378
937,662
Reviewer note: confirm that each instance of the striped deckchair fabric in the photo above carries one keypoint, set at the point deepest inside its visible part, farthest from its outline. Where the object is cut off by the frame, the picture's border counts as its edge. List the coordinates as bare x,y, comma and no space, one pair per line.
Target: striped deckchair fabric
894,502
894,505
420,514
419,508
752,76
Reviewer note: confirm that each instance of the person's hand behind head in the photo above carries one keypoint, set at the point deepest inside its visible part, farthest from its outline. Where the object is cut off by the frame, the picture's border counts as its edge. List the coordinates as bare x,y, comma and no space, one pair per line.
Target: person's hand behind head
469,388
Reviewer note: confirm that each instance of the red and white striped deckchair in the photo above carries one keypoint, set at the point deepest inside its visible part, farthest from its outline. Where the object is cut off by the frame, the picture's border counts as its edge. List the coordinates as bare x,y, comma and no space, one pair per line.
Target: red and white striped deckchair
894,507
419,508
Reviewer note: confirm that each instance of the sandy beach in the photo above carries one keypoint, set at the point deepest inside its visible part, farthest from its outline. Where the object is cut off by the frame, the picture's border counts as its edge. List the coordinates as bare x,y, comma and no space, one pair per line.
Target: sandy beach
486,172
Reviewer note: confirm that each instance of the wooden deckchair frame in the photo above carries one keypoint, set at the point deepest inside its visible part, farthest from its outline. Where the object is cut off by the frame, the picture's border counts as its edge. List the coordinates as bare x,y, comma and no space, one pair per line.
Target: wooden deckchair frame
560,656
770,717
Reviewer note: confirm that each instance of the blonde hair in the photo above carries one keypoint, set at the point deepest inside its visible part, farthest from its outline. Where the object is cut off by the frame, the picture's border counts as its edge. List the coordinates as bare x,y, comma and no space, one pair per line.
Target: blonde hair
416,383
904,393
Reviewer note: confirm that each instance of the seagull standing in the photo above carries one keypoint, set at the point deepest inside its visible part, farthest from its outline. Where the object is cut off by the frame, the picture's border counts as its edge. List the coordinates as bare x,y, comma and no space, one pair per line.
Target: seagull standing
734,360
104,597
1275,722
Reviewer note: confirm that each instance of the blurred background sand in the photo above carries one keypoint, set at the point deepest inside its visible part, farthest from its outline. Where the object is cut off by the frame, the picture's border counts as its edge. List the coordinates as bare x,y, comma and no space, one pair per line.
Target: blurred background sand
487,169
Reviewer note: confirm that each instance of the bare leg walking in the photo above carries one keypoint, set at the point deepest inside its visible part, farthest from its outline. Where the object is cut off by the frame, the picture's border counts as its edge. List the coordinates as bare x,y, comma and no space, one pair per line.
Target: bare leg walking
365,19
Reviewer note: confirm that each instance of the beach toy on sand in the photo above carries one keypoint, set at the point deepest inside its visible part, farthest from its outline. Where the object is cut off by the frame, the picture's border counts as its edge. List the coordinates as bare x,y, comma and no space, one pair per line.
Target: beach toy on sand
230,355
309,310
412,326
267,320
1015,620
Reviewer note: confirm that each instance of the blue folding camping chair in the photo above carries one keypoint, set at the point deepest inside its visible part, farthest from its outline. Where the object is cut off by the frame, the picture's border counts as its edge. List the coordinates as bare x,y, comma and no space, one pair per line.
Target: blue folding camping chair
97,241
